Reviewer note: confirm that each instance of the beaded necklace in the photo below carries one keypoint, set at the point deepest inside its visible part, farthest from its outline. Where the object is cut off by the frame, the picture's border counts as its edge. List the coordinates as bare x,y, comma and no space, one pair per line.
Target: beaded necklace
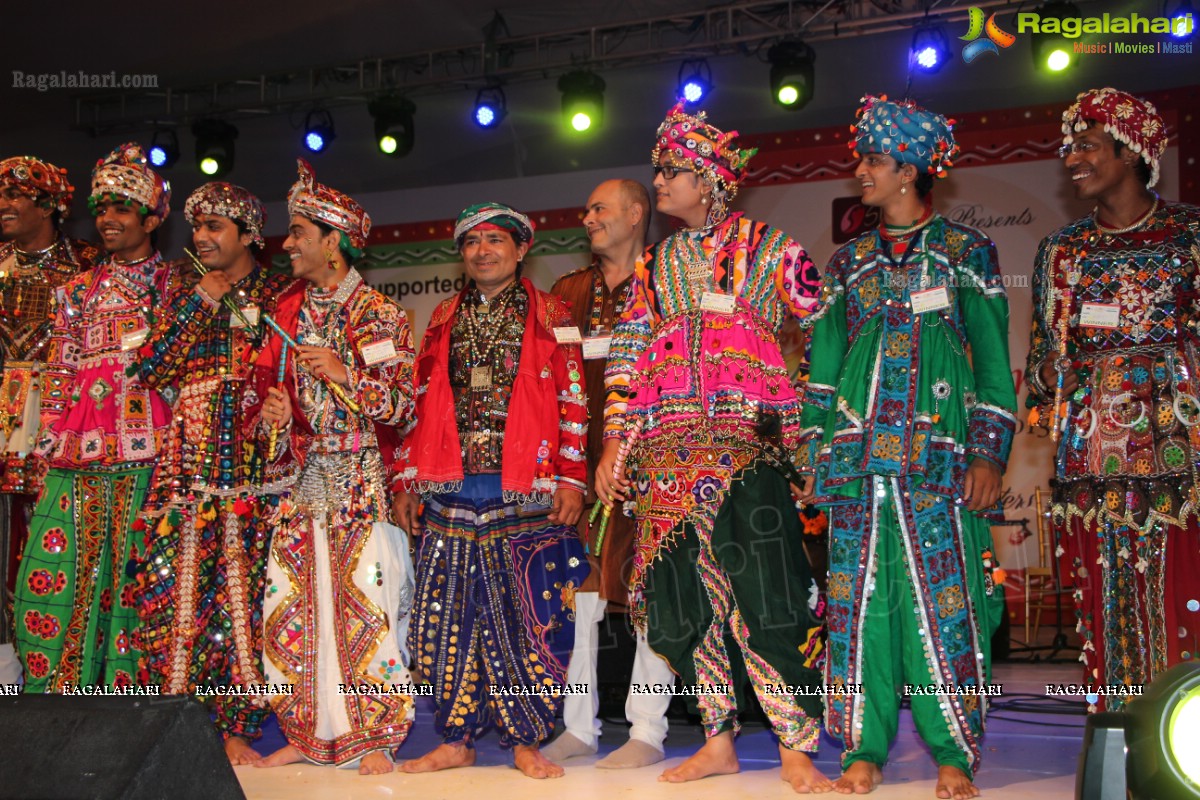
476,317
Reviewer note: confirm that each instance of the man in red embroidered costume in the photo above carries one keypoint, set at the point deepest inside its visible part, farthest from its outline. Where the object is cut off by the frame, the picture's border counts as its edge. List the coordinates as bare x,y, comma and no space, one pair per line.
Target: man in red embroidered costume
339,582
35,259
616,219
498,454
101,431
200,594
701,405
909,419
1113,366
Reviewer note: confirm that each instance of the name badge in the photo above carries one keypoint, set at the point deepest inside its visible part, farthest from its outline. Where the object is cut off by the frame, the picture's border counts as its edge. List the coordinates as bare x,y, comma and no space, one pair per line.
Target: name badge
378,351
134,339
251,315
596,346
927,300
1100,315
717,302
568,334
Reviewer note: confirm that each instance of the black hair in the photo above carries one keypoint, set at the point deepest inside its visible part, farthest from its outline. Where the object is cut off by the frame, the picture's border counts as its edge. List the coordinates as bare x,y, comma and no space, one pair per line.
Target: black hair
255,248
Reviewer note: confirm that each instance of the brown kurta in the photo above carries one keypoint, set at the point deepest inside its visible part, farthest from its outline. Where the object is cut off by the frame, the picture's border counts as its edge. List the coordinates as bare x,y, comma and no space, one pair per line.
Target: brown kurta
578,288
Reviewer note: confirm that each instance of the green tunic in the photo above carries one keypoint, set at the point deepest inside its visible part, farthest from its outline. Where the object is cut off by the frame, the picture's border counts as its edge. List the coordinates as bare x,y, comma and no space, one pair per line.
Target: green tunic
910,381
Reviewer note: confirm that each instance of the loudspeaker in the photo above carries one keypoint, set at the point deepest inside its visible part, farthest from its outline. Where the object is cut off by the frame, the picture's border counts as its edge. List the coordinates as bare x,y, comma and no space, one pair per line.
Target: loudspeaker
126,748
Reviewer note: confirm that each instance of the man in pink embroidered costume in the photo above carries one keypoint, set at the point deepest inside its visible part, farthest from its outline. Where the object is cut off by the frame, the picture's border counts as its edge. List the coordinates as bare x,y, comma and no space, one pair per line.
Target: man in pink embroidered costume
617,216
498,454
35,259
200,593
909,418
101,431
1113,366
339,581
702,414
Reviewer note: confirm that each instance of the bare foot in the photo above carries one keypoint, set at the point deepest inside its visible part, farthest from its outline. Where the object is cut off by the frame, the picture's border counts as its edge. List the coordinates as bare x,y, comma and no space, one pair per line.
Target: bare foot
716,757
284,755
954,784
533,764
376,763
444,756
802,773
240,752
861,777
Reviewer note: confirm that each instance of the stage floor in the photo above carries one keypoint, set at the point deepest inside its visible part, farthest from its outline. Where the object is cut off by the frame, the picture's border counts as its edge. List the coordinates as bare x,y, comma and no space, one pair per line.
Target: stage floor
1031,751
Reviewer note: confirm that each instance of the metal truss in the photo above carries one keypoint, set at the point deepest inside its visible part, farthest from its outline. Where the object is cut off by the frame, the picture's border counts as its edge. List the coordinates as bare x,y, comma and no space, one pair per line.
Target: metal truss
744,27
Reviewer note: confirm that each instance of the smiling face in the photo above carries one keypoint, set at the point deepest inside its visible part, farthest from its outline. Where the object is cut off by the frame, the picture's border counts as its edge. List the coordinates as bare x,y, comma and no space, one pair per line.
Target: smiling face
881,178
611,220
1094,166
218,242
491,256
124,232
307,246
21,218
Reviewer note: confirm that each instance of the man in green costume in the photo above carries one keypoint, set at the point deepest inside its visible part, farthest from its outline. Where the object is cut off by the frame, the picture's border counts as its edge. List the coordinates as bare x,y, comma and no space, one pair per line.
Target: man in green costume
908,421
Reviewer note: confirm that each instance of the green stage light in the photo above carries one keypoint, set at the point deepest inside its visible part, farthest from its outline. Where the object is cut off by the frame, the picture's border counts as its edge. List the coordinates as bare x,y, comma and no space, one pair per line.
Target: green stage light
1164,736
582,100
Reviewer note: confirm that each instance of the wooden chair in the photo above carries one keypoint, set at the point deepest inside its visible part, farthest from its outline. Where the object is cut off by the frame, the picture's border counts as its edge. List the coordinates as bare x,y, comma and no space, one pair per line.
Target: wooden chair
1042,579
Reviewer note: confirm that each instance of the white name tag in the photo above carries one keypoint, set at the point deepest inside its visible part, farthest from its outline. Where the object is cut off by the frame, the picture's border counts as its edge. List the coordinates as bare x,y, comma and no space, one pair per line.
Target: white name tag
927,300
251,315
718,302
378,351
568,334
134,339
1100,315
596,346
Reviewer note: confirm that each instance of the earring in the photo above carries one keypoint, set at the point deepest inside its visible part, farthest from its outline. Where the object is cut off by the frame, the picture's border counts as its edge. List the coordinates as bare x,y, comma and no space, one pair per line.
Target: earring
904,188
703,200
329,258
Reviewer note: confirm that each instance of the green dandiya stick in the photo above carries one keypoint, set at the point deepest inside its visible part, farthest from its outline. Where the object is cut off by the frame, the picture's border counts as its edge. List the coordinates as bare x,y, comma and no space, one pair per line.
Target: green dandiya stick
227,300
335,388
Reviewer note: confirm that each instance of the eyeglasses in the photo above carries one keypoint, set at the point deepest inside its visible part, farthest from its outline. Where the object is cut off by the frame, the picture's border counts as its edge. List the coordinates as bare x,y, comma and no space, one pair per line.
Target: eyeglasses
669,172
1077,147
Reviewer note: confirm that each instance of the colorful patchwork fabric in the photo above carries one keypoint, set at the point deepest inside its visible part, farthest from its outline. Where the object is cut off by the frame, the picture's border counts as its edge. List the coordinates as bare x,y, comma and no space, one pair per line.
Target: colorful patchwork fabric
27,286
1126,463
93,414
759,264
908,401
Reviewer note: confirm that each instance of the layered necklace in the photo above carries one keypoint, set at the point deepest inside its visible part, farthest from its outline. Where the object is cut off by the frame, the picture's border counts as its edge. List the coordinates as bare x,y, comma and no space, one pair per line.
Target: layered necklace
477,318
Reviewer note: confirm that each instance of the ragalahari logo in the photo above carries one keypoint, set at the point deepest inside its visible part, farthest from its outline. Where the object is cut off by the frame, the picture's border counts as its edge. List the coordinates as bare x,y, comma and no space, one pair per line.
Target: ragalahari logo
997,38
